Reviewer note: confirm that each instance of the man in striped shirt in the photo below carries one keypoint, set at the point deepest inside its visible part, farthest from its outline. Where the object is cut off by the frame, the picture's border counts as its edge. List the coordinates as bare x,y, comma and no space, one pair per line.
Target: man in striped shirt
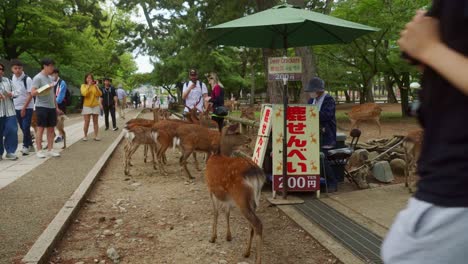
8,125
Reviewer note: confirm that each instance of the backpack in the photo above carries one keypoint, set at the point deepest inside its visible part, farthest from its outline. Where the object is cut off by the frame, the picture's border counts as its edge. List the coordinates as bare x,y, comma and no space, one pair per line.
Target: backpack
67,99
201,84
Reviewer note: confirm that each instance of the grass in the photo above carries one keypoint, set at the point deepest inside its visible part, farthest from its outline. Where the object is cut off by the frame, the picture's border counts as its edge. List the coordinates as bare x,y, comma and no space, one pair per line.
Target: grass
384,116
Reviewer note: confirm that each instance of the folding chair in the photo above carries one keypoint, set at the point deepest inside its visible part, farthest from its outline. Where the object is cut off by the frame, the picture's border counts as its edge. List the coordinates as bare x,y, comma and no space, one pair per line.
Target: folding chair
341,156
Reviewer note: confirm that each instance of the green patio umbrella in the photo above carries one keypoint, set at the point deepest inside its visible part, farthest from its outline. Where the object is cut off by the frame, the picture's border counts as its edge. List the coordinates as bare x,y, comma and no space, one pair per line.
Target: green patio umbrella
285,26
281,27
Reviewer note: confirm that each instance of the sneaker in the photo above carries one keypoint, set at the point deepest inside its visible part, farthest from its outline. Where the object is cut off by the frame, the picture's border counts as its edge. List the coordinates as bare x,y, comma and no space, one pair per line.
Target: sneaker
52,153
10,156
85,139
31,149
40,154
25,151
97,139
115,128
58,139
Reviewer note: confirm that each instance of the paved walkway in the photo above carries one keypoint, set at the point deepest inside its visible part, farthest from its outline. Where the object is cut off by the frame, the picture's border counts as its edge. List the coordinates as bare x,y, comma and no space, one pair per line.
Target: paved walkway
33,190
13,170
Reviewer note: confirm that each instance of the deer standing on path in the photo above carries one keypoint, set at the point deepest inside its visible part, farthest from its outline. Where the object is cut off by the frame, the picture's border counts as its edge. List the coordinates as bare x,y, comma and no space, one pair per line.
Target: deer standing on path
136,136
363,112
60,126
412,145
235,180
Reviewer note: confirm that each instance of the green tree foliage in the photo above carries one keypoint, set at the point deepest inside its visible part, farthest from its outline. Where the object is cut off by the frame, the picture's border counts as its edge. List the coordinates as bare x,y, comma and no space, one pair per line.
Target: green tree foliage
375,54
81,36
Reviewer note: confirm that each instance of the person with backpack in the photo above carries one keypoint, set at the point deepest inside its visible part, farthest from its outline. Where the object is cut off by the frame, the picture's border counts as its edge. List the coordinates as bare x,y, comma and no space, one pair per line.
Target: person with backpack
24,103
109,103
8,126
62,96
194,93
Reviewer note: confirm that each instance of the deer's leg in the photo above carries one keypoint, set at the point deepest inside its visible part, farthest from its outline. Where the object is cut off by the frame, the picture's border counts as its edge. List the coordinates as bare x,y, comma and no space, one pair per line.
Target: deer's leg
64,139
133,147
256,228
145,153
153,150
183,161
378,124
196,161
214,227
228,226
128,154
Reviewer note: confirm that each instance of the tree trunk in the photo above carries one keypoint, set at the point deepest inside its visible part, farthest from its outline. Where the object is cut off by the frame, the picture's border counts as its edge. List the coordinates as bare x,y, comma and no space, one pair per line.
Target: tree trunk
348,98
252,87
391,98
404,93
370,91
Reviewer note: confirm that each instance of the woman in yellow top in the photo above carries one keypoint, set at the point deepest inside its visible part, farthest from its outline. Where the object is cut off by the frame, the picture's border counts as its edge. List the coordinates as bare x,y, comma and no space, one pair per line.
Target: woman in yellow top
91,107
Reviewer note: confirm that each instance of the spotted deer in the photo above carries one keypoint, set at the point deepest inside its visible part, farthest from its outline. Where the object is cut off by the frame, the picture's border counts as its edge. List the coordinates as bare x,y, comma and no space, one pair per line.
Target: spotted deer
364,112
412,145
136,136
235,181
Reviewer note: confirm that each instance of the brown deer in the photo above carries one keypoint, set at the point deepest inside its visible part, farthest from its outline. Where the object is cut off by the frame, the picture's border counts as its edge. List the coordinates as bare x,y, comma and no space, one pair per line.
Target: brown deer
412,145
158,114
205,119
194,137
136,136
363,112
235,180
60,126
164,133
248,113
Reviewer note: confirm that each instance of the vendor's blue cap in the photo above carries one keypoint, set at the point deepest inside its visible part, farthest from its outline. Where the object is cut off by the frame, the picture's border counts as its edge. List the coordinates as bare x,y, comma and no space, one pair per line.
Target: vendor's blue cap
315,85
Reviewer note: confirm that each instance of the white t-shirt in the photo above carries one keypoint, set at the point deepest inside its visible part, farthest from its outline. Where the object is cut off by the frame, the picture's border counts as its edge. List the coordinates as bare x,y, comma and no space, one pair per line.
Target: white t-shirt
121,94
21,92
195,95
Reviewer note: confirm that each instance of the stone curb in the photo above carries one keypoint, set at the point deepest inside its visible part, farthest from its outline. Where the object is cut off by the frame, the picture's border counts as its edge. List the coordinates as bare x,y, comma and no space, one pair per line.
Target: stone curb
43,246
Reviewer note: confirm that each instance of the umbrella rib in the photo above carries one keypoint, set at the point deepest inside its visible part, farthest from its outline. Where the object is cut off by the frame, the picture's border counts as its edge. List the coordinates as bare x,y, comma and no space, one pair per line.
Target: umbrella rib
331,33
222,35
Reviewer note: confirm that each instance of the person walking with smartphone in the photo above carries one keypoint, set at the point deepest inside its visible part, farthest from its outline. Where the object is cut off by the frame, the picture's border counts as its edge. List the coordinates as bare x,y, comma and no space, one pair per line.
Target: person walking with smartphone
91,107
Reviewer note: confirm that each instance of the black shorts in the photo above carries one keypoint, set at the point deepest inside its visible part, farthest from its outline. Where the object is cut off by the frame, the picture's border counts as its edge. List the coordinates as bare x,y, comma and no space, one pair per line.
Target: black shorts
46,117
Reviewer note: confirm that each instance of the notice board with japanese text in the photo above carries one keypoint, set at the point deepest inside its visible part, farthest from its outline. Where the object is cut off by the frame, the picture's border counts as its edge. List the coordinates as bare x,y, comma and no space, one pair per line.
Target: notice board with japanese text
303,151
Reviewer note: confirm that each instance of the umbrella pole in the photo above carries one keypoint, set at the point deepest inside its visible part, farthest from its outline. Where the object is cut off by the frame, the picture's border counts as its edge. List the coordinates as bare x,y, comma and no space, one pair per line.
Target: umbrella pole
285,129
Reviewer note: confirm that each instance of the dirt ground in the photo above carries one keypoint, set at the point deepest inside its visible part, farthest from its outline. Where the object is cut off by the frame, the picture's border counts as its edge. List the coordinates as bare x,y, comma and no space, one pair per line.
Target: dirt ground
150,218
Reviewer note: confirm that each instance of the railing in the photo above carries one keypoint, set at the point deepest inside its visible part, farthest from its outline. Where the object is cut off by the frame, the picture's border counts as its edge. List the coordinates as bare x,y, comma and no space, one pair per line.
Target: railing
243,122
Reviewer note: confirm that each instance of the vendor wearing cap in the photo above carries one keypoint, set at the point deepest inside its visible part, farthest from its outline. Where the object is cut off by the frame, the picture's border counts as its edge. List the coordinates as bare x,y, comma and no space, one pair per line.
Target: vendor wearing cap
194,92
326,107
327,122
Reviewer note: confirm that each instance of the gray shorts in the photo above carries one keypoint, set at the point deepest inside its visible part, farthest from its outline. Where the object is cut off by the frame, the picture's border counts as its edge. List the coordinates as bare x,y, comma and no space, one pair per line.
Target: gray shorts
426,233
